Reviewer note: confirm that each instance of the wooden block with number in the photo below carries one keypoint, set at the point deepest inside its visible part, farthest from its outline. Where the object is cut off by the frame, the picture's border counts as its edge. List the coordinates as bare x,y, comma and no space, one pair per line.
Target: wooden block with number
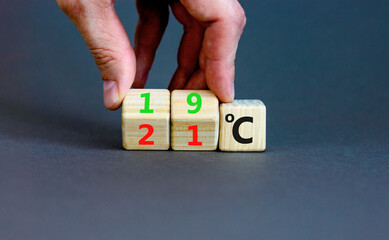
194,120
146,119
242,126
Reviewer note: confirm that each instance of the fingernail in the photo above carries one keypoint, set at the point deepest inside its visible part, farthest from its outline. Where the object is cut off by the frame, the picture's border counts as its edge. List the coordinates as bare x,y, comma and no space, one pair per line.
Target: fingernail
232,91
111,94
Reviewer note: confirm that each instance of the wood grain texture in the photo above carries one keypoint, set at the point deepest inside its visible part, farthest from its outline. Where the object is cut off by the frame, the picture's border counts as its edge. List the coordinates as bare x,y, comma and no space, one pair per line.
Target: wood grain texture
207,120
132,118
243,111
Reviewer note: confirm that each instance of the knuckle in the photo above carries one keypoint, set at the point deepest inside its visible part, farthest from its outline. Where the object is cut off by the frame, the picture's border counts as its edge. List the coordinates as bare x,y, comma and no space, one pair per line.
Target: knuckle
241,18
71,7
104,58
75,8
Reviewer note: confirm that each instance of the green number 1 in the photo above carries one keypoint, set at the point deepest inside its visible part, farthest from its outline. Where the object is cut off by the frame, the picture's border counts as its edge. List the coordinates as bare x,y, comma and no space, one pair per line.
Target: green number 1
147,103
196,103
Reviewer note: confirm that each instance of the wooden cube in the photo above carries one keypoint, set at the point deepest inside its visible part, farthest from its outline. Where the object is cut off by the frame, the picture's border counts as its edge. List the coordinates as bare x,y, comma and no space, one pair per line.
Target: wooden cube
242,126
146,119
194,120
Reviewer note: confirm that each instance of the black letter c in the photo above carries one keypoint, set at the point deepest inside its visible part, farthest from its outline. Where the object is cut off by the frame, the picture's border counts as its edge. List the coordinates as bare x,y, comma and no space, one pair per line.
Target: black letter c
235,130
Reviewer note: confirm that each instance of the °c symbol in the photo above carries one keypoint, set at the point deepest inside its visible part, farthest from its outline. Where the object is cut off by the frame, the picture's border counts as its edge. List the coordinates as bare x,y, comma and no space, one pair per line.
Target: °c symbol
235,128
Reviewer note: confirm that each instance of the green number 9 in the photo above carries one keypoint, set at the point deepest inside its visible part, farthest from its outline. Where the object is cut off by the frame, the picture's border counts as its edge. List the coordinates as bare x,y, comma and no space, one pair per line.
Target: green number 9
196,103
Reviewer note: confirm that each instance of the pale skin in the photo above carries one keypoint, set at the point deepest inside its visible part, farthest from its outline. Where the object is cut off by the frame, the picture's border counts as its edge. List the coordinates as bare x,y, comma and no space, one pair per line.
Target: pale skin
206,55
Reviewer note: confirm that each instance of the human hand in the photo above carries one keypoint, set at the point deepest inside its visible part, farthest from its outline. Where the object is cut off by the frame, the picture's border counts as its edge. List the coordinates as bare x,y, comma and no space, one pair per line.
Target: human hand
206,55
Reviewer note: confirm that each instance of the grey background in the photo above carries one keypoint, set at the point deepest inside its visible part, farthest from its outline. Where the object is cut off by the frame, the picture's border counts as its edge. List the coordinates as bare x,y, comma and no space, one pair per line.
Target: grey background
321,68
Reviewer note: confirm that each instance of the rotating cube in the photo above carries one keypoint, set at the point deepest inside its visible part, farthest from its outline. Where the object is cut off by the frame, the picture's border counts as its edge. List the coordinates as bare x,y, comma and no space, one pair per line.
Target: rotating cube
194,120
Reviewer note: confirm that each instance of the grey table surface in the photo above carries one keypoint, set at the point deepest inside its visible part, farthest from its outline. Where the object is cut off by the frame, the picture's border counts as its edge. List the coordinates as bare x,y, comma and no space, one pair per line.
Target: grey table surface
321,68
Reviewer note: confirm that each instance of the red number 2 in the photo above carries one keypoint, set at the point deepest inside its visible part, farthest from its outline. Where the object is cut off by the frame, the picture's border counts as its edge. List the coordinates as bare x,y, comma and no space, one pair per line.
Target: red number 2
195,141
149,133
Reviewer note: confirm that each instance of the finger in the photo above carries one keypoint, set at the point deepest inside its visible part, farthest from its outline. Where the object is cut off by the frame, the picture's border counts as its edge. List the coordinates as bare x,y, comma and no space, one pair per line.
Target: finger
188,52
107,40
153,19
226,20
197,80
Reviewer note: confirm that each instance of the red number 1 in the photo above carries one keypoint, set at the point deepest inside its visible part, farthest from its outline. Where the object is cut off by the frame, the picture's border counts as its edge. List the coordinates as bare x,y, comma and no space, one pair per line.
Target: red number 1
195,141
149,133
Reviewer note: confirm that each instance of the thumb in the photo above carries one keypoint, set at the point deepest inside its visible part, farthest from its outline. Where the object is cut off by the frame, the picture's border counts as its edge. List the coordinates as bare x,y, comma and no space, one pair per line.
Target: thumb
108,42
